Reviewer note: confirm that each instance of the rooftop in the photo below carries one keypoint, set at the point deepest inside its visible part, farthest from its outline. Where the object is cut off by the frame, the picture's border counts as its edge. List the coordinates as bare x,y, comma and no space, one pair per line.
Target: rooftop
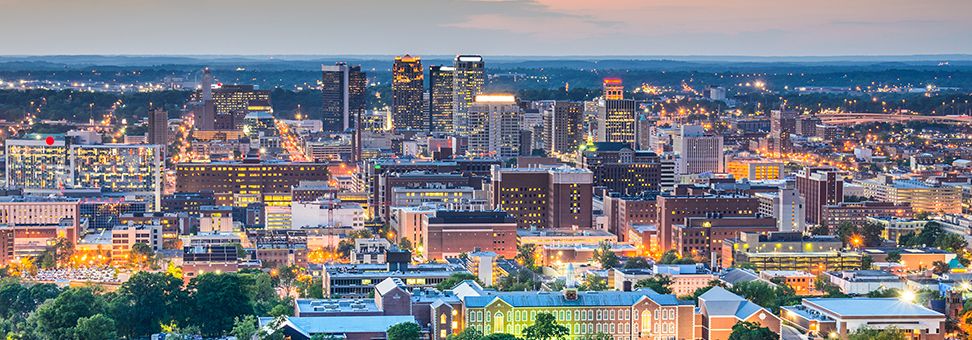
309,326
870,307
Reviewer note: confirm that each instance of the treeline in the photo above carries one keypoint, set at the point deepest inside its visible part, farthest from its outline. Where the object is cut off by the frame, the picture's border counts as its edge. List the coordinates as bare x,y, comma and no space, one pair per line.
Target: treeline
79,106
146,304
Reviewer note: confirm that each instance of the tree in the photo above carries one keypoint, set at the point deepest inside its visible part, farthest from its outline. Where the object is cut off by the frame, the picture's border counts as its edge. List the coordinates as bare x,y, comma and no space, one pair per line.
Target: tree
636,262
470,333
455,279
95,327
819,230
404,331
594,283
57,318
877,334
939,267
286,277
142,255
871,232
545,328
844,231
526,256
894,256
605,257
224,290
751,331
658,283
145,302
597,336
866,262
405,244
766,295
499,336
245,328
519,280
672,257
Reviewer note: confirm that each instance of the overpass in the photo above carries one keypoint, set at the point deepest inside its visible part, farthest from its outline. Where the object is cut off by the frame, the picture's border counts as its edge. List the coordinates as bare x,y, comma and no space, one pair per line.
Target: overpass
852,118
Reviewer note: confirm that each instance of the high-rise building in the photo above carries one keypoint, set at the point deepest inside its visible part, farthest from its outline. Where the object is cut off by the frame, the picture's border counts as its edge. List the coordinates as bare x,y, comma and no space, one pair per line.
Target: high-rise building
441,82
158,132
120,168
563,127
616,115
619,168
468,82
241,183
782,125
494,126
613,89
675,209
343,91
228,105
37,164
544,197
819,186
407,89
697,152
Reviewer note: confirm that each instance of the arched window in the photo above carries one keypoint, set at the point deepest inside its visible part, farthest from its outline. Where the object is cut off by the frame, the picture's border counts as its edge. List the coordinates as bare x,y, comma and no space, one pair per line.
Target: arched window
442,319
498,324
645,320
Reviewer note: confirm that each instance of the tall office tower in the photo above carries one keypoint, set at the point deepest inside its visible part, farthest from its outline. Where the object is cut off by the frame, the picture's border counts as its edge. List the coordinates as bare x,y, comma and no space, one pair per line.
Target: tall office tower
782,126
158,132
342,89
441,80
613,89
468,82
205,110
697,152
207,84
819,186
228,106
616,115
494,126
407,89
563,127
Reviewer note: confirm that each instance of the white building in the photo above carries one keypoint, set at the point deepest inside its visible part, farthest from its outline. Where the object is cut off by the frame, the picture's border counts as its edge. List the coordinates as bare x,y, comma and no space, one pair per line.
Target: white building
698,153
786,206
326,213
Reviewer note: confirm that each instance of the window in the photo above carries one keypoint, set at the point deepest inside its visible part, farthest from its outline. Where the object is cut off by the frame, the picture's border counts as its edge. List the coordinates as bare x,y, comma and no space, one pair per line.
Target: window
646,319
442,319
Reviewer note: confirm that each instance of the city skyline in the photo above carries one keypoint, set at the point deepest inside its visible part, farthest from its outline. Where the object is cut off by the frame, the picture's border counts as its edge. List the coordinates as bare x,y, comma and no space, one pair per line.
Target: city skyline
489,27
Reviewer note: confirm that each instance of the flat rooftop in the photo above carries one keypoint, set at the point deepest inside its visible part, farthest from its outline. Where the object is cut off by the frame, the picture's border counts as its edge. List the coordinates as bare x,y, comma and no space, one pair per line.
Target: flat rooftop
870,307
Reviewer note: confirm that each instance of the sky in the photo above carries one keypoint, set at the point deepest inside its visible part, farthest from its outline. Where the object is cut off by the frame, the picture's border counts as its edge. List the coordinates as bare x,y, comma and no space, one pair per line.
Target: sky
488,27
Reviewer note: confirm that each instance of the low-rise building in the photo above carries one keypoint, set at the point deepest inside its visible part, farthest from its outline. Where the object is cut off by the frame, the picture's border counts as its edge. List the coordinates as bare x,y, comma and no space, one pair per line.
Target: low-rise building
860,282
801,282
721,309
839,317
789,251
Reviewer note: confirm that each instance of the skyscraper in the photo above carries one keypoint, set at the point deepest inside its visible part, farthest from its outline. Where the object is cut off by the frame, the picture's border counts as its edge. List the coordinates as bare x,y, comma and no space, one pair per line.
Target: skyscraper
343,90
616,115
494,126
470,77
158,132
697,152
407,89
562,127
440,98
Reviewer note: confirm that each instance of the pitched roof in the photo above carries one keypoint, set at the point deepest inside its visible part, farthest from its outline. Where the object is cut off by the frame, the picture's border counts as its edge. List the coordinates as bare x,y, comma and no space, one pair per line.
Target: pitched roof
556,299
309,326
388,284
720,302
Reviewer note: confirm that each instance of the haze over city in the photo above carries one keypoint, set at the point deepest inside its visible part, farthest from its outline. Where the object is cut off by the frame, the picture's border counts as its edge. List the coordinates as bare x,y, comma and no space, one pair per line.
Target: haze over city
491,27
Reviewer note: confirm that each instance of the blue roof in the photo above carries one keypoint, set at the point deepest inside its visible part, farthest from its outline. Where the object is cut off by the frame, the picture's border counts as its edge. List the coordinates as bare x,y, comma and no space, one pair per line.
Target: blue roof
556,299
340,324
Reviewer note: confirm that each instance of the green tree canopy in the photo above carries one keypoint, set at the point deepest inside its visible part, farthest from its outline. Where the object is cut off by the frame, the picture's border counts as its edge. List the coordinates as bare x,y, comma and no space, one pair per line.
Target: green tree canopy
404,331
659,283
751,331
545,328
